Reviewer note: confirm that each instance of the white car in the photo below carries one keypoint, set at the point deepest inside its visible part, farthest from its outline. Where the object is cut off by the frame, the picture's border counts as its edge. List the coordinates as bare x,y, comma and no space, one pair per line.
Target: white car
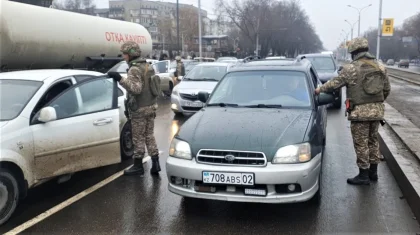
162,69
54,123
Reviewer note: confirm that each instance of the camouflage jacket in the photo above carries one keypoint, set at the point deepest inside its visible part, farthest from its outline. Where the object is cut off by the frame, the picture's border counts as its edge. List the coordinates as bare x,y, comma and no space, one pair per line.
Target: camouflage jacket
134,84
180,69
347,77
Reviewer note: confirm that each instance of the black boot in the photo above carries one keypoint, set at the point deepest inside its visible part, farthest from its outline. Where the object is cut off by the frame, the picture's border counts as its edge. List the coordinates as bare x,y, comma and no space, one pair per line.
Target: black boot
361,179
373,172
136,169
155,165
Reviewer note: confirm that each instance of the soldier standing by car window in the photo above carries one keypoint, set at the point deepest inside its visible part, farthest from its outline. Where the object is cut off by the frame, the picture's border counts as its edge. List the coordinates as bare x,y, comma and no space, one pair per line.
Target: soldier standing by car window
180,68
142,107
368,86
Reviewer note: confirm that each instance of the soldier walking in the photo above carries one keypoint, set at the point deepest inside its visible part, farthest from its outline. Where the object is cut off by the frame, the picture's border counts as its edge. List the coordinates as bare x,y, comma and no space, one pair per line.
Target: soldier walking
141,105
180,68
368,86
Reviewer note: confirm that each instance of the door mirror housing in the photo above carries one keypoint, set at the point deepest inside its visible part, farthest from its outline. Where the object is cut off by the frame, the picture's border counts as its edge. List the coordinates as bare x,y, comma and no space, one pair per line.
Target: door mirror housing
203,96
324,99
47,114
179,78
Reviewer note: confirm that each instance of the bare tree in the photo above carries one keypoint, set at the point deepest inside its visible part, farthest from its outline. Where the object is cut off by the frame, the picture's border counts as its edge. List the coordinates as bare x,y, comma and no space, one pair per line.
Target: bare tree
412,28
79,6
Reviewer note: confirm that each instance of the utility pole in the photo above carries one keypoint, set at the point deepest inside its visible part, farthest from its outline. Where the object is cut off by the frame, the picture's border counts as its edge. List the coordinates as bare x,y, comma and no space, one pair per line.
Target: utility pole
378,45
258,36
199,29
177,23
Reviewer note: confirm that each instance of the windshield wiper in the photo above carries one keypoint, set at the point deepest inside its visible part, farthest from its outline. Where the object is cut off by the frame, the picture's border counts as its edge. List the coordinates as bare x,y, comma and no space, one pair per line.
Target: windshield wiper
204,79
223,105
270,106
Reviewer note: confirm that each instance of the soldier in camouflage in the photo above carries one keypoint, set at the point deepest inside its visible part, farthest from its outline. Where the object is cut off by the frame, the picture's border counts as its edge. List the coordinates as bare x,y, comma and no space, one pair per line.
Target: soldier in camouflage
180,69
141,105
367,86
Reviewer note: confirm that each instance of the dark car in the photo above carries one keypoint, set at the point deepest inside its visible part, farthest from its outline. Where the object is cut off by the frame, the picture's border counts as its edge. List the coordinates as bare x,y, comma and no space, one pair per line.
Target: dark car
404,63
327,69
259,138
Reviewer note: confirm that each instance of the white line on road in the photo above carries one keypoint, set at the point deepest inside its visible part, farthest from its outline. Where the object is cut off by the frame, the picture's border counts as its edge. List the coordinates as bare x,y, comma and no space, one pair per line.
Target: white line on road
69,201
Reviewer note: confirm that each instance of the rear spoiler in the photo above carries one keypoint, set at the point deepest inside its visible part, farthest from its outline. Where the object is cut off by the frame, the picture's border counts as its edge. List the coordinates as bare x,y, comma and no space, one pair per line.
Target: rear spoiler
301,58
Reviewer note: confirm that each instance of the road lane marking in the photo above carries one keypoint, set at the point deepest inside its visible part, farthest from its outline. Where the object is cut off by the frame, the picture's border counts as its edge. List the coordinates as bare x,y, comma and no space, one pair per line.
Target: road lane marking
69,201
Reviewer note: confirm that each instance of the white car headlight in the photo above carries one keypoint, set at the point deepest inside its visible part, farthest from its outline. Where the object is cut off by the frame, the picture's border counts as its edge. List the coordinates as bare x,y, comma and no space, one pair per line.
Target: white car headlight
293,154
180,149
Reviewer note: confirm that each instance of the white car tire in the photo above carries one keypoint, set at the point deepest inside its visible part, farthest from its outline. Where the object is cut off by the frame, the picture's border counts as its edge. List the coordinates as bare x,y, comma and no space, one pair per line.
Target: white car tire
9,194
126,142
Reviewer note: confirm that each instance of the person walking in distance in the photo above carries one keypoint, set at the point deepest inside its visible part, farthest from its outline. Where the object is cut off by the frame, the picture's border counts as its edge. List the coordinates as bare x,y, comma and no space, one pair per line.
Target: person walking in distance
142,105
367,86
180,68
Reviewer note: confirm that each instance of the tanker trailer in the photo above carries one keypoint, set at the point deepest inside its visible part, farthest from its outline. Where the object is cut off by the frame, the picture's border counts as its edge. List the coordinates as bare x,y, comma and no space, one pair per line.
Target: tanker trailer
34,37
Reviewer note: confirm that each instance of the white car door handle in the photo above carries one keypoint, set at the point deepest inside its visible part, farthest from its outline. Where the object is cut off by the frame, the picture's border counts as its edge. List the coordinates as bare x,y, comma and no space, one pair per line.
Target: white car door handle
103,121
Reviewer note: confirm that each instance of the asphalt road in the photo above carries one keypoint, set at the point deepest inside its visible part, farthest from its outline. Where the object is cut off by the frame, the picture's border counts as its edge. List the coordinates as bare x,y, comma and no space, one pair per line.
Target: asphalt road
405,97
412,68
133,205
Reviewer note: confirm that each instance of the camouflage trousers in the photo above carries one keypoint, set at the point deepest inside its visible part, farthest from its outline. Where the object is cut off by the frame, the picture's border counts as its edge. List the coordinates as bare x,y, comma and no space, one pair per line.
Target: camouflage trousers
366,144
142,129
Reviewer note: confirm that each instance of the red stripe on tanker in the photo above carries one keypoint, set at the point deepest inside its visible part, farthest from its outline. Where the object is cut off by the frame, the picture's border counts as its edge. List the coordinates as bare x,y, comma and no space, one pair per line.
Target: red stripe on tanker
45,38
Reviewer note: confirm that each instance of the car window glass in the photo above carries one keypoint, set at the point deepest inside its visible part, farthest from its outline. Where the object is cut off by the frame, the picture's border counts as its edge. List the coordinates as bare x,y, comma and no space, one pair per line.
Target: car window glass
322,63
14,95
121,67
96,96
206,72
286,88
161,67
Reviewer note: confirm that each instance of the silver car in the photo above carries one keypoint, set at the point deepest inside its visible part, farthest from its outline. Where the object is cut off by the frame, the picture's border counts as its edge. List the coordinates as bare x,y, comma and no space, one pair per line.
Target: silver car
203,77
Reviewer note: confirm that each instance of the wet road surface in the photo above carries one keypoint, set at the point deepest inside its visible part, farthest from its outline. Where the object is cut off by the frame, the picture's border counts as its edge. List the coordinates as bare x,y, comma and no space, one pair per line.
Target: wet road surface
133,205
405,97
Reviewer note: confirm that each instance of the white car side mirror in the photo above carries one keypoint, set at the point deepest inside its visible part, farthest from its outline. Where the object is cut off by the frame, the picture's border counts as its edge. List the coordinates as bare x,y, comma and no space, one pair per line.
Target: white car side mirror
180,78
47,114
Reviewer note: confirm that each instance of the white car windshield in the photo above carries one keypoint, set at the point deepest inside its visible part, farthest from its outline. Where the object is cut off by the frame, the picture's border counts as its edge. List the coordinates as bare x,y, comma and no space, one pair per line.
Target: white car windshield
206,73
263,88
14,95
322,63
121,67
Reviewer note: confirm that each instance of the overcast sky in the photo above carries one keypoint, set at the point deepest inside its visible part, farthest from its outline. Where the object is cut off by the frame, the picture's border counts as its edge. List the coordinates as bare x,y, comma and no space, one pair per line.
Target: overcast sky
328,15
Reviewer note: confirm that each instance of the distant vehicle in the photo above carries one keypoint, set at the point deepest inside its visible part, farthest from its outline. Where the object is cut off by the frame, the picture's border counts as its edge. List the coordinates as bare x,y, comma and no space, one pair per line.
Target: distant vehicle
191,65
223,59
327,52
54,123
404,63
390,62
205,59
203,77
276,58
161,69
327,69
259,138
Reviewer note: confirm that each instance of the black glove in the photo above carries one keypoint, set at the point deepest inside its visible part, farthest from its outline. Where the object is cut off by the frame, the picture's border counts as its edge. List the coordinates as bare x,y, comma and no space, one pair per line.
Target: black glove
115,75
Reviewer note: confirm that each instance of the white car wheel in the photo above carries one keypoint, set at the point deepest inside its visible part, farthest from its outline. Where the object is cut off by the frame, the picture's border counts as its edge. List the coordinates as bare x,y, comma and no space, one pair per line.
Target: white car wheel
9,194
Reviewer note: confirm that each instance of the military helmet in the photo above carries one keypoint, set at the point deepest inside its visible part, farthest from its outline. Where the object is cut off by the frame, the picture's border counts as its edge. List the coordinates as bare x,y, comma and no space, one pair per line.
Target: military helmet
178,58
131,48
357,44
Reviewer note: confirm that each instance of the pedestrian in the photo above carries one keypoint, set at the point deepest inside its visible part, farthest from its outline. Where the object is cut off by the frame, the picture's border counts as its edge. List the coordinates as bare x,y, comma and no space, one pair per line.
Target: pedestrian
180,68
141,105
368,87
163,57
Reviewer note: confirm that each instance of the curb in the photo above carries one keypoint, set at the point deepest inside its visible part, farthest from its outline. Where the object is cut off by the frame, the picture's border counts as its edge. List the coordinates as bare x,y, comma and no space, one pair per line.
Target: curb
401,158
404,79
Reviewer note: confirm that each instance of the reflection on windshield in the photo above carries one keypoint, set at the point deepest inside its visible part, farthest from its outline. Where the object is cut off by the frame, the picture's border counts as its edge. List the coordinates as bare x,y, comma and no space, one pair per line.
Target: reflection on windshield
121,67
263,89
322,63
14,95
206,73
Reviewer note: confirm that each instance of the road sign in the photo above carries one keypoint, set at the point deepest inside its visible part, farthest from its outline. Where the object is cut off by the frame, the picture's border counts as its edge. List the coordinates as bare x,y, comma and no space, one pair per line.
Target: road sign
388,27
407,39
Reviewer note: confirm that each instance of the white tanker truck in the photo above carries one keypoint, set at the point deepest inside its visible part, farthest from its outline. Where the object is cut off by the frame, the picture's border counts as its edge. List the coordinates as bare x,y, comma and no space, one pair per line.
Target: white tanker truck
35,37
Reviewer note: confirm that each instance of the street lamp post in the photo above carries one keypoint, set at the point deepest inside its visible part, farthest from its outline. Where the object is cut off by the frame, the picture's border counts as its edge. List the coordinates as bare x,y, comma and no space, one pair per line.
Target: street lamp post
199,29
378,46
351,27
360,11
